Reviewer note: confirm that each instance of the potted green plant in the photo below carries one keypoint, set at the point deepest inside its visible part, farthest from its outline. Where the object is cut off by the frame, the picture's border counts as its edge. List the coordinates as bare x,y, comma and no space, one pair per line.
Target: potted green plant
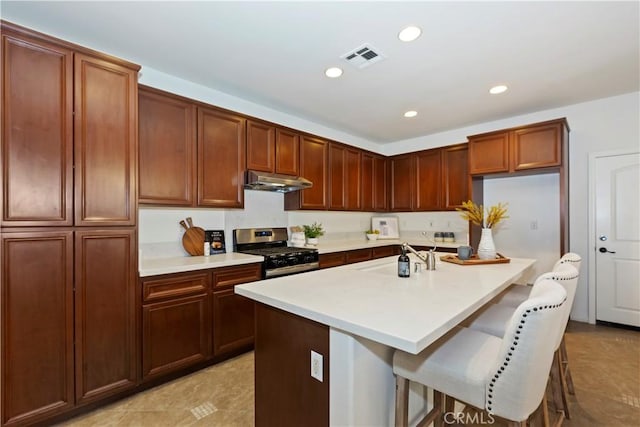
312,232
372,234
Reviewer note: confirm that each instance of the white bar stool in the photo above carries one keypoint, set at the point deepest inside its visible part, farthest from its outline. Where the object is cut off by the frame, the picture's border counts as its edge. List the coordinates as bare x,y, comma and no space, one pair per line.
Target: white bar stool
495,320
499,375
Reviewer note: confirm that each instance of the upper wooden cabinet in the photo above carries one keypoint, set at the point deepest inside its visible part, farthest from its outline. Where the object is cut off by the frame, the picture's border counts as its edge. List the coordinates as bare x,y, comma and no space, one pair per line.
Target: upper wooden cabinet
105,132
528,147
455,176
261,146
271,148
167,135
314,155
430,180
190,154
428,185
60,106
287,147
344,177
402,186
37,155
221,158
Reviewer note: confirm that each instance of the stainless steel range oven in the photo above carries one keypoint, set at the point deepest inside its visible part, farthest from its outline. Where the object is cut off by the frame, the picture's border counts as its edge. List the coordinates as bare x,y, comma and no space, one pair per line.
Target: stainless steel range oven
271,243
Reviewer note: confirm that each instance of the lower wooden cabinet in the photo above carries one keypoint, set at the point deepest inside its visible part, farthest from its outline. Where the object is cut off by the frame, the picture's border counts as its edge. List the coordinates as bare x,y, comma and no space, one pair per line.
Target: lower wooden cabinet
233,322
384,251
62,287
233,315
190,318
333,259
357,255
37,325
176,330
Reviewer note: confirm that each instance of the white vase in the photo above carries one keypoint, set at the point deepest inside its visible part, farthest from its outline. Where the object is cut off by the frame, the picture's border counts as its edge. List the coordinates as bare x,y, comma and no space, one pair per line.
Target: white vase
486,248
312,241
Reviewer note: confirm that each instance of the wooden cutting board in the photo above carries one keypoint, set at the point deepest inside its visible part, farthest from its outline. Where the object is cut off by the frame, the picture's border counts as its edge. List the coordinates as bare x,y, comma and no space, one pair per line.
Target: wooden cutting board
193,240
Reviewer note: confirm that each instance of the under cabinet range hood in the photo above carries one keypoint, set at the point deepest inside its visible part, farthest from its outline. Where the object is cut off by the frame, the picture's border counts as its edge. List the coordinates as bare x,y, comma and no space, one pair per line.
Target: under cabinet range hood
265,181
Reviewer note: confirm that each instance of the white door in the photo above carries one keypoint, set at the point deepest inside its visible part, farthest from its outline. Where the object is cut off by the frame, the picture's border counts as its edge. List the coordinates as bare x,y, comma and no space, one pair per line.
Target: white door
617,206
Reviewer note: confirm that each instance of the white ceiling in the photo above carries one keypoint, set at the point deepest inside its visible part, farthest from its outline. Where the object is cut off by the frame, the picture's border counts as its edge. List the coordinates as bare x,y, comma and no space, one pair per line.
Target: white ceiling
550,54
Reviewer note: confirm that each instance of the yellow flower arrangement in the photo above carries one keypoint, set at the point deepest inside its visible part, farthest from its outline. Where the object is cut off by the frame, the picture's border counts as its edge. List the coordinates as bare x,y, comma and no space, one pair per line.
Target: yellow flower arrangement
474,213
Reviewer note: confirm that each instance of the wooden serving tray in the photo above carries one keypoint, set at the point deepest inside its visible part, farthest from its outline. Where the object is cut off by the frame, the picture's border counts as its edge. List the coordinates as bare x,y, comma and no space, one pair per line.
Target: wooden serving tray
474,260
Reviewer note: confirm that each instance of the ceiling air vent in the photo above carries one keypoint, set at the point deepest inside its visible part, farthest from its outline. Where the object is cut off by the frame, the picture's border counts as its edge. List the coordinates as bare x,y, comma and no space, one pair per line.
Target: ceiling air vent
363,56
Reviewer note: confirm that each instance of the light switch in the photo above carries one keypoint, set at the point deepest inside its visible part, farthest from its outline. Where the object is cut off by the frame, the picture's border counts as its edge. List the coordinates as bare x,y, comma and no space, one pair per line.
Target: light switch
316,365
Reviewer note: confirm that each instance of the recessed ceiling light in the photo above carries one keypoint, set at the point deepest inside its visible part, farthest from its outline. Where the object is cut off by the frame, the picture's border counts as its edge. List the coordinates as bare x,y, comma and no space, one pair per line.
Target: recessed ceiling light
409,34
498,89
333,72
411,113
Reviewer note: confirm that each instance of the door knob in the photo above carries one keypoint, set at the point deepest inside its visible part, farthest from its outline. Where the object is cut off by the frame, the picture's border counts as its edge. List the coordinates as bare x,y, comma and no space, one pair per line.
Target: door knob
605,250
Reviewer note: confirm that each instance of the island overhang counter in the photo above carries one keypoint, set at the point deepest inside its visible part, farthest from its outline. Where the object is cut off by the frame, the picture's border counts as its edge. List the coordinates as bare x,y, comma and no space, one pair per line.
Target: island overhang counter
354,317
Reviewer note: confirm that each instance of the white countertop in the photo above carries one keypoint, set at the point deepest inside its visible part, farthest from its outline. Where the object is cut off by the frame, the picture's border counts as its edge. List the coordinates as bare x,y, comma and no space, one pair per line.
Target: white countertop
178,264
156,265
368,299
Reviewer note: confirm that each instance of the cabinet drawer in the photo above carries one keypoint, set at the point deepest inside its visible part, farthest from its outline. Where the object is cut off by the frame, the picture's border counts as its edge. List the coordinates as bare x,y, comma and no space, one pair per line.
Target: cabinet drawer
174,285
383,251
230,276
334,259
358,255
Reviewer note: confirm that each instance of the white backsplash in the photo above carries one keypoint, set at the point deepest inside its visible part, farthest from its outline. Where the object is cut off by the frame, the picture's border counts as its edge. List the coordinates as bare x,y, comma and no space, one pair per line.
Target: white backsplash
160,234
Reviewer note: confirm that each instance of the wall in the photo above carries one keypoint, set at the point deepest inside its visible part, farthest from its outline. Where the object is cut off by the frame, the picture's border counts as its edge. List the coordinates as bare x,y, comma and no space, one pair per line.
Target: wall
533,227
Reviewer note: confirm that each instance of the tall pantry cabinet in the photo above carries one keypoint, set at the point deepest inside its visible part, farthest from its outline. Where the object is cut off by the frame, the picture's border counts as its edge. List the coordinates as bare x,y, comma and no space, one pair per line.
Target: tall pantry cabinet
68,238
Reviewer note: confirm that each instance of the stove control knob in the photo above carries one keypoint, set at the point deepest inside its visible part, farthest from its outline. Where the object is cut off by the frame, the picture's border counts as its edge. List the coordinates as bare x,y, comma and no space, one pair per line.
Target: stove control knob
308,258
292,260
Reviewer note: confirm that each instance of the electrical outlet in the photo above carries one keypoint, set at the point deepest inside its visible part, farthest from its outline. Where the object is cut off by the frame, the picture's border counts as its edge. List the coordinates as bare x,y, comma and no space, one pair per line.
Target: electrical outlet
534,224
316,365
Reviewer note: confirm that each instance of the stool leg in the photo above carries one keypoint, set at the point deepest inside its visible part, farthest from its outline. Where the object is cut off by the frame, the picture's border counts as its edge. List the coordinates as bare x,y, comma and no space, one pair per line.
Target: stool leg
402,401
566,373
558,387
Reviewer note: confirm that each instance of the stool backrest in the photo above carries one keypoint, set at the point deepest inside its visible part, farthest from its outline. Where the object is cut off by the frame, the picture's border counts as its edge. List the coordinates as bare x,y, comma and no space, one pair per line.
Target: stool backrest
566,275
569,258
519,379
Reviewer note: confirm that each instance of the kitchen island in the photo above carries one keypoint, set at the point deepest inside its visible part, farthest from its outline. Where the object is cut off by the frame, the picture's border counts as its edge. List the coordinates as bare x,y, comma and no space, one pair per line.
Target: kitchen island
354,317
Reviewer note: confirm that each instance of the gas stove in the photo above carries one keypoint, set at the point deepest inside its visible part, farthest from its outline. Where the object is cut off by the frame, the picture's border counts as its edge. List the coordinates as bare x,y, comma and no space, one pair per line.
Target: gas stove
271,243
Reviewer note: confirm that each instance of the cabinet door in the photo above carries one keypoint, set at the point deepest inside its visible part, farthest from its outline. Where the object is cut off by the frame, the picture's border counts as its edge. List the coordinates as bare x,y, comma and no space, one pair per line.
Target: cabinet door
105,316
105,141
221,158
489,153
37,325
358,255
233,322
384,251
380,192
352,184
261,146
402,171
537,146
333,259
367,181
313,166
37,132
455,176
337,177
167,133
175,334
428,180
287,147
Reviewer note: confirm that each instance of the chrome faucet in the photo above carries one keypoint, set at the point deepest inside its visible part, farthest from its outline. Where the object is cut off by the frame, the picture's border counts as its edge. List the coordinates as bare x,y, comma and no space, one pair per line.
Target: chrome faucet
429,259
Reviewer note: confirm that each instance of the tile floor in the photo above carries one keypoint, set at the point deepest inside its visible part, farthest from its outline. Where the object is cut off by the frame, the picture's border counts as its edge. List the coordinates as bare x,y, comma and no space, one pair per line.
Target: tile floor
605,363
